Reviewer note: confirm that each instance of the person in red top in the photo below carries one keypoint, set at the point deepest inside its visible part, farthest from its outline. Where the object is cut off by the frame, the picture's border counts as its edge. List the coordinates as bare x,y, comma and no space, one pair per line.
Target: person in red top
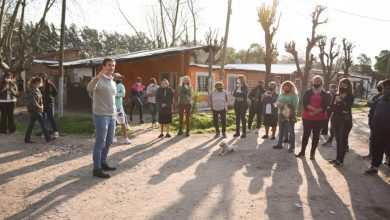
314,115
138,92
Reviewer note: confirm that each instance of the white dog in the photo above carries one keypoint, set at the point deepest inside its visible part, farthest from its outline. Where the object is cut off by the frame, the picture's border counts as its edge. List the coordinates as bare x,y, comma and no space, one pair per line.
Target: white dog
226,148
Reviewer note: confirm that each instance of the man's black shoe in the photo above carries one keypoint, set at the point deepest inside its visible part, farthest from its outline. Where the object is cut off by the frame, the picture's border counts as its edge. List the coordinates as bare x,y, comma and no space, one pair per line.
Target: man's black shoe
105,167
99,173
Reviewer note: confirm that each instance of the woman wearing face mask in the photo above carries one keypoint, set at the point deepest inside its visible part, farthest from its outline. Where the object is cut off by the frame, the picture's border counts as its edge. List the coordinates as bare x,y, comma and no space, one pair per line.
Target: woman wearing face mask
288,106
218,104
138,92
240,105
270,111
35,109
185,97
8,93
164,100
341,106
314,115
151,93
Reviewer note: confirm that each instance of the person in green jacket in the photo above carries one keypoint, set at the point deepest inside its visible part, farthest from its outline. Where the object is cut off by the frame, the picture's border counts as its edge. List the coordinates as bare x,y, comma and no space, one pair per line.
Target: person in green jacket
288,106
185,97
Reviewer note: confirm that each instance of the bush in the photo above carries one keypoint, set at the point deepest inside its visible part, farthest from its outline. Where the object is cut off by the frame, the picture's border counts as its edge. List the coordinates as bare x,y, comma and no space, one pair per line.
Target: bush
76,125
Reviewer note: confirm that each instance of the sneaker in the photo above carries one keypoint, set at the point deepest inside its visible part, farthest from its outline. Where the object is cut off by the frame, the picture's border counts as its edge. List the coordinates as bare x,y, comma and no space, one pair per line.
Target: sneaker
265,137
161,135
141,122
126,141
187,134
223,135
179,133
273,138
286,141
236,135
333,161
300,155
216,135
372,170
338,164
256,131
277,147
115,140
56,134
312,157
167,135
326,144
100,174
107,168
243,135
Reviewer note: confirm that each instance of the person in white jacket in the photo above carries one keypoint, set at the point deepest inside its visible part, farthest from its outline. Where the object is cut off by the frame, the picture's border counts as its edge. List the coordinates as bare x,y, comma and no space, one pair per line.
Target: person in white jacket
218,104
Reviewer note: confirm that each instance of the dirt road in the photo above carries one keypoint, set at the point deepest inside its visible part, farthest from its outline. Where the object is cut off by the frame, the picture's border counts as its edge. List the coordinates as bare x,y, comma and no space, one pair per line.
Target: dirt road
183,178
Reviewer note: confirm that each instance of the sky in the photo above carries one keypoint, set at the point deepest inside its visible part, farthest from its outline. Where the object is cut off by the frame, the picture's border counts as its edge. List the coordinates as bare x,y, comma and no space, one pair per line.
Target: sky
365,23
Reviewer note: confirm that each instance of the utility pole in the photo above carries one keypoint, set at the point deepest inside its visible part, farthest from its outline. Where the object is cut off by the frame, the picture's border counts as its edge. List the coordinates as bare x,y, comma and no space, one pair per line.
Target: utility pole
225,41
61,63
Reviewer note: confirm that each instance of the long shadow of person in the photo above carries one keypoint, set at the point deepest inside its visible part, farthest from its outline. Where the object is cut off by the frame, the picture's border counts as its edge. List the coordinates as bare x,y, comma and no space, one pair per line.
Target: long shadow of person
363,190
80,180
182,162
322,199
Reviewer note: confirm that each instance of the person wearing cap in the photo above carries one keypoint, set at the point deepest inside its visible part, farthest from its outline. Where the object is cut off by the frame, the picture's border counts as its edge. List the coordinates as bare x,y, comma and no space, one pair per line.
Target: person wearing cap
120,112
219,105
138,92
380,128
270,111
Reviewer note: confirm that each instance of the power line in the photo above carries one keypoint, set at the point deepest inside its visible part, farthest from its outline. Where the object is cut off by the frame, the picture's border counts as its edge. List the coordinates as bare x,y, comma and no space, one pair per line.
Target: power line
351,13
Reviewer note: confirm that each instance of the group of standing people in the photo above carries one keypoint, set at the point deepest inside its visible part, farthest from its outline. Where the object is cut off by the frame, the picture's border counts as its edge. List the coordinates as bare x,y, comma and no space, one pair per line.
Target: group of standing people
40,105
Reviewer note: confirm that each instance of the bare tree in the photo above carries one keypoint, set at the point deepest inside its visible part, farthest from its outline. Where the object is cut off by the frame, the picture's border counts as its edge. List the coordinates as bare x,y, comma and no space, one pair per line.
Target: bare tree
211,38
327,59
13,49
267,18
311,42
347,58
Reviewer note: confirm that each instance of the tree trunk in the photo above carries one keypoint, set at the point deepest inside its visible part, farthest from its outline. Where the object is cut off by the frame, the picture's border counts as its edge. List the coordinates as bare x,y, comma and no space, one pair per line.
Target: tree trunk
223,58
61,62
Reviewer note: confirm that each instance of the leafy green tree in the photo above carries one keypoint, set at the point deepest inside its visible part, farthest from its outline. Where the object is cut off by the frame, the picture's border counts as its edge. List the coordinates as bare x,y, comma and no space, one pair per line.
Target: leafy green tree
382,64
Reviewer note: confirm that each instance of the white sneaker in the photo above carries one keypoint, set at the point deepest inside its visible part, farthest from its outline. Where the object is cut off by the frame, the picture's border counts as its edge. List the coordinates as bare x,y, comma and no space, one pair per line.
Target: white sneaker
256,131
114,140
56,134
126,141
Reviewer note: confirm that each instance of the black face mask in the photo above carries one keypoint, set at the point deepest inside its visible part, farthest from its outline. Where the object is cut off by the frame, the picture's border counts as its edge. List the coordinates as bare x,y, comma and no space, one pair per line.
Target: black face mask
316,85
342,90
379,88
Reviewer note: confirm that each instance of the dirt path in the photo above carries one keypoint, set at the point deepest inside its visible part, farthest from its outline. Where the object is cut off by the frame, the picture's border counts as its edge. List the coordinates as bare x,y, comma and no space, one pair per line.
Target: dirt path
183,178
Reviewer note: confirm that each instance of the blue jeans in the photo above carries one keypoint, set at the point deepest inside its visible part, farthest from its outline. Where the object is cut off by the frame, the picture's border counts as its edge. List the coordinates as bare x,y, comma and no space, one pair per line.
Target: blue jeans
289,127
104,132
153,111
48,114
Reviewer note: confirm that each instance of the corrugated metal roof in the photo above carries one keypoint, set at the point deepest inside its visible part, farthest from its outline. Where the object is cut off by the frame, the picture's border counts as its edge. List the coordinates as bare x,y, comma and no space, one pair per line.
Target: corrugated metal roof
130,56
275,68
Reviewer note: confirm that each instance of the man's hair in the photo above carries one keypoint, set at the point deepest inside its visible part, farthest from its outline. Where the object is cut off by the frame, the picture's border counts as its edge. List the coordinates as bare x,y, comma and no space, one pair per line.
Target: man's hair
386,82
333,86
152,80
277,77
261,81
106,60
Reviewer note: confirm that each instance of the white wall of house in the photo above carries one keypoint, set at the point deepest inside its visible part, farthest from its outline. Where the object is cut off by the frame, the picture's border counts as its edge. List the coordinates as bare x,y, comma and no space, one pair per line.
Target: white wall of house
78,74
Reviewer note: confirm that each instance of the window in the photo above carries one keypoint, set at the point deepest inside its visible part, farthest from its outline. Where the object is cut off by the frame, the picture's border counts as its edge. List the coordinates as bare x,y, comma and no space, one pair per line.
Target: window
232,82
202,82
171,77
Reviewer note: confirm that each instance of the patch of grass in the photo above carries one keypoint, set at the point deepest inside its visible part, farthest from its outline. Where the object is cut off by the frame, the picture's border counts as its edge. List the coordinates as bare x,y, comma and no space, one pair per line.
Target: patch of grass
82,125
359,106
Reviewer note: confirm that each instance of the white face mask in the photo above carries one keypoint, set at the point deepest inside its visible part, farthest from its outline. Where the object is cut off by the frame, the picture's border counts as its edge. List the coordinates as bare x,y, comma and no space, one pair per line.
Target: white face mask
8,80
138,84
